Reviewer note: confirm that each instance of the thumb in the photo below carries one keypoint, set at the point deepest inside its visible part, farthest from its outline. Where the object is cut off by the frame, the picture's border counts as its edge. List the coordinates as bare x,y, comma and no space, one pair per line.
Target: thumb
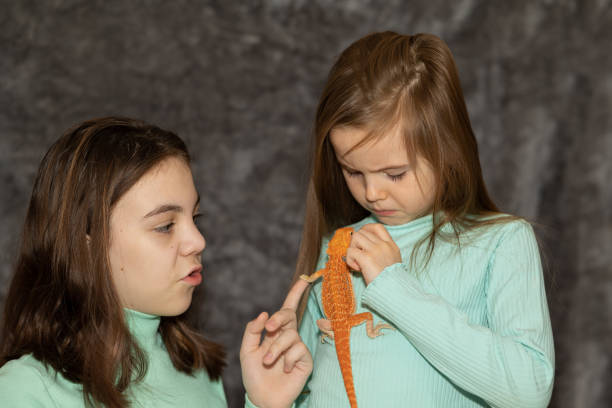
252,334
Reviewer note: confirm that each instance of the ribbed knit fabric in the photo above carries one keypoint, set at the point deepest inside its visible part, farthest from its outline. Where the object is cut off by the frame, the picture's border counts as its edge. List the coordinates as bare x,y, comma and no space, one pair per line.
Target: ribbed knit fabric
473,328
249,404
26,383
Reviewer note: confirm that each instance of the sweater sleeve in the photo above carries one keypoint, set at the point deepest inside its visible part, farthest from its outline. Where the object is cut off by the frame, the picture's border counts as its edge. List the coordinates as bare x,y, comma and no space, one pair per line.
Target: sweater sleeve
22,386
308,330
509,363
249,404
309,333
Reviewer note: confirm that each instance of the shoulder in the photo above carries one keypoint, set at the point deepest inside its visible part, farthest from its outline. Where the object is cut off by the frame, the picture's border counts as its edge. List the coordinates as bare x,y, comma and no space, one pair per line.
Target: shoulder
24,368
510,241
500,230
515,234
501,236
22,381
212,390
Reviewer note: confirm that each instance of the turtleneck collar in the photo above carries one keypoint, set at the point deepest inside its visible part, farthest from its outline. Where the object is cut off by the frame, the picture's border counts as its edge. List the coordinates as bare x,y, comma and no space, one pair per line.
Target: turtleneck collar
413,225
142,325
418,225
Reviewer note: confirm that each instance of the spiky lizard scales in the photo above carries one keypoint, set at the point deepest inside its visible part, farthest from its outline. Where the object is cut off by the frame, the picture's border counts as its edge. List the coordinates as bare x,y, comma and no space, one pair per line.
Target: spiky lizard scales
339,306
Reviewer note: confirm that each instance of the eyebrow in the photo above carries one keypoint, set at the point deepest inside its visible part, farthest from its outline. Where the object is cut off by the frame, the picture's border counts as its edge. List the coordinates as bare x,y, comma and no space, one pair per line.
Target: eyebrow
169,208
376,170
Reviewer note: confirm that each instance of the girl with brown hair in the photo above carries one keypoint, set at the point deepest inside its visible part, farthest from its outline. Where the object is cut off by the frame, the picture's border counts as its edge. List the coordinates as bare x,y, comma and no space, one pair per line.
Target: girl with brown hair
109,259
394,156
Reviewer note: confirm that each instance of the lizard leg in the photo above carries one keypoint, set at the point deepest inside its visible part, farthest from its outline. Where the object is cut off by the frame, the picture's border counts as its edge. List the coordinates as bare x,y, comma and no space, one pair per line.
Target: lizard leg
375,331
371,330
312,277
326,327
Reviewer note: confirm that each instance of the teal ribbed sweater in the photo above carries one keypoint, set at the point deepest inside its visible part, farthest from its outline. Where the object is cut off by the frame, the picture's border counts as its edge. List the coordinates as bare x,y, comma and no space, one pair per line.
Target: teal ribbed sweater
473,327
26,383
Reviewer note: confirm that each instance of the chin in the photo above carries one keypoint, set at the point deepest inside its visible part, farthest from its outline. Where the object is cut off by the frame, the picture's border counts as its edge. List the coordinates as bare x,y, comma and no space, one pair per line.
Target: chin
174,309
180,310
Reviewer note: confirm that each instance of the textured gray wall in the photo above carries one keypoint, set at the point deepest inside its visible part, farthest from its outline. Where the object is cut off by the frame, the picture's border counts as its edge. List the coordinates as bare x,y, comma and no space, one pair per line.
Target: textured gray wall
240,80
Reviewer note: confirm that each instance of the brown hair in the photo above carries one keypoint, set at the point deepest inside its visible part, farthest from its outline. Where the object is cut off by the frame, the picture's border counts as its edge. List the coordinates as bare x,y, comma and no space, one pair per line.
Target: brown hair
379,82
61,305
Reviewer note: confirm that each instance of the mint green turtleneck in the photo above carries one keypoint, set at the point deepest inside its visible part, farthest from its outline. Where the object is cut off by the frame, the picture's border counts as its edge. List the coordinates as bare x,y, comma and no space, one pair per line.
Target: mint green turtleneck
472,328
26,382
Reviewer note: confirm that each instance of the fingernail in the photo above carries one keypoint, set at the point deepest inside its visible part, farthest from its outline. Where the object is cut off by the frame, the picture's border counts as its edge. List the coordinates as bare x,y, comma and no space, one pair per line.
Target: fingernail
268,357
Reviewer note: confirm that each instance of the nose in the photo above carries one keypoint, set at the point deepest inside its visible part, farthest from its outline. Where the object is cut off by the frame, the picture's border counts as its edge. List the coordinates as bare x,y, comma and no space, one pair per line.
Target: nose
373,191
194,242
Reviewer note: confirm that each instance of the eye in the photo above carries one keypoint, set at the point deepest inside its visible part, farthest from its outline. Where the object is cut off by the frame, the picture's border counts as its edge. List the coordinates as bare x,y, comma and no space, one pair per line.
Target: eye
165,229
396,177
352,173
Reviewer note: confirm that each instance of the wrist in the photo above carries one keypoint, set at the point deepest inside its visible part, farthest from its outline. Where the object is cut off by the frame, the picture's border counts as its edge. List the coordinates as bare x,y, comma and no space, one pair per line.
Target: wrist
248,403
373,274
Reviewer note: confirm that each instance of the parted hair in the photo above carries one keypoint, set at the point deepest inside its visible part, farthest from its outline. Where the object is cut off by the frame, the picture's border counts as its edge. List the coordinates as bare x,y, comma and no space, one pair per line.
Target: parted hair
62,306
379,82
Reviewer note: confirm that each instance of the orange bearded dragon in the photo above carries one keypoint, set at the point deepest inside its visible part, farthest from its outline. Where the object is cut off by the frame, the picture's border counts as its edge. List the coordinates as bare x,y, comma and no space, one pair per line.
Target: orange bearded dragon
339,306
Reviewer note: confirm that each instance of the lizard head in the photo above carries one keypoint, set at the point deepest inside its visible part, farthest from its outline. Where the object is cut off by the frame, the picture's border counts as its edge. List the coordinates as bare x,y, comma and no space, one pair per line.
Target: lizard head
340,241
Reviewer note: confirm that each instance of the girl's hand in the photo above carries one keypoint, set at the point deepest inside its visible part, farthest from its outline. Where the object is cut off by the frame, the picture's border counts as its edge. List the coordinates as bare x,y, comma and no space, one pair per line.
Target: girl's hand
275,371
372,249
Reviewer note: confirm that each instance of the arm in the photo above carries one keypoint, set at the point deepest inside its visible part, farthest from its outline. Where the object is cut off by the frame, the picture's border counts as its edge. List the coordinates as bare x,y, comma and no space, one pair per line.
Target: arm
309,332
275,369
510,363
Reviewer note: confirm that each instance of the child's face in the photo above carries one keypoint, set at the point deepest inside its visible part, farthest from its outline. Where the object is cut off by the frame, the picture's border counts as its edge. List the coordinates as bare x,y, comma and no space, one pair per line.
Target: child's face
155,247
380,176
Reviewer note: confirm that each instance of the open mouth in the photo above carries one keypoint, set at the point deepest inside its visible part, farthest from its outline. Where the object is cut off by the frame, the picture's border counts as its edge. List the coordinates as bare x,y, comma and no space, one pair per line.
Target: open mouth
194,278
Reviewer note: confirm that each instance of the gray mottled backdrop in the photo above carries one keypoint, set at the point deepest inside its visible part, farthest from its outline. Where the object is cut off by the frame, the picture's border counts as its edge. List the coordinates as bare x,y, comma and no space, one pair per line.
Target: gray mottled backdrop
240,80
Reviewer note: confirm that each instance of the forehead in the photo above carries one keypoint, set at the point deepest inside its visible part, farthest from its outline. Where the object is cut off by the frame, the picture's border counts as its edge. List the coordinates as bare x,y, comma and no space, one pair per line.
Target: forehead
166,173
170,181
351,144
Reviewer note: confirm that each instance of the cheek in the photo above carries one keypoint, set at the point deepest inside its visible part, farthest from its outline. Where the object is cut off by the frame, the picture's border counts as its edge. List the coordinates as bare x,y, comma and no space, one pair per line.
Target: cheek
354,185
116,255
135,259
426,189
148,260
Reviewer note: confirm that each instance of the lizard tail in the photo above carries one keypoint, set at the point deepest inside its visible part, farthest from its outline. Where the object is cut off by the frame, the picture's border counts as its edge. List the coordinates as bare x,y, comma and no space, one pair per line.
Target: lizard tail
343,351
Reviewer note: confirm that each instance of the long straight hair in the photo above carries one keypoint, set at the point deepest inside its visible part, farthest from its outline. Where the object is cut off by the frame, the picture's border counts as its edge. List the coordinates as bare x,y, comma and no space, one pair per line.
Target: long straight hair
379,82
62,306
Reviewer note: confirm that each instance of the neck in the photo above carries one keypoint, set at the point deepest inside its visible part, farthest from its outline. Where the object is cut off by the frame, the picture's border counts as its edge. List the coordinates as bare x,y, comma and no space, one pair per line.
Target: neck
143,326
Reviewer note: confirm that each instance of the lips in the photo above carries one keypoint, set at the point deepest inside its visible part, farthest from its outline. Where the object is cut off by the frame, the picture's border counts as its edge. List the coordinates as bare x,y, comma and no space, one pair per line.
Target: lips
197,268
383,212
194,277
